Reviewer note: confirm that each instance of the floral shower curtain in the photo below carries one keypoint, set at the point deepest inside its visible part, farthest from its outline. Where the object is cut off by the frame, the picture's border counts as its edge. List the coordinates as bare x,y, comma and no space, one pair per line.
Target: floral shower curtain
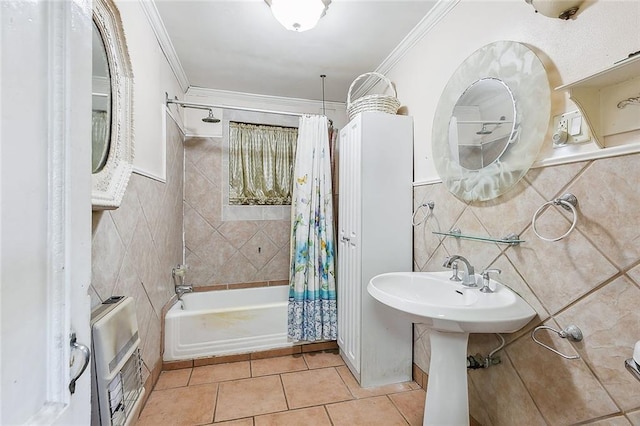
312,286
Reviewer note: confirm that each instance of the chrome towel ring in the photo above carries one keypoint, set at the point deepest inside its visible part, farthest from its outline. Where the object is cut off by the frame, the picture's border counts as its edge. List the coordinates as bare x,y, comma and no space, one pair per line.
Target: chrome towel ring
568,202
429,204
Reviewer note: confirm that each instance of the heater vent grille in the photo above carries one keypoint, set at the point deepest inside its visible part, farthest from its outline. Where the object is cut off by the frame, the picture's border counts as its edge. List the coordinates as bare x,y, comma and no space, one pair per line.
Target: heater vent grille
117,363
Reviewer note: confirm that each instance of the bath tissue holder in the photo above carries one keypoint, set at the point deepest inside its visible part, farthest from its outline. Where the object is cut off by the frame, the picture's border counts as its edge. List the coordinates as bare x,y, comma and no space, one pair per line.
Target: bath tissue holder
571,332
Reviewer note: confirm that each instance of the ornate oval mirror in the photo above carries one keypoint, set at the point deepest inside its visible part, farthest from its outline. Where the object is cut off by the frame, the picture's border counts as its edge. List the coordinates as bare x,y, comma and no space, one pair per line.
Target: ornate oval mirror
491,121
112,133
101,104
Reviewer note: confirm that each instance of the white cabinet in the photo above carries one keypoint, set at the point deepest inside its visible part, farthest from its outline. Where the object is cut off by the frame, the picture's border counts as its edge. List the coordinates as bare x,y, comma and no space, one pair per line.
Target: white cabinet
374,236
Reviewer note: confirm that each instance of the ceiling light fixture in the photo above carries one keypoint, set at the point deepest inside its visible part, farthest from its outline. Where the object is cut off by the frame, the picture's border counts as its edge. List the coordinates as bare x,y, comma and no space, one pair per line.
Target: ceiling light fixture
563,9
298,15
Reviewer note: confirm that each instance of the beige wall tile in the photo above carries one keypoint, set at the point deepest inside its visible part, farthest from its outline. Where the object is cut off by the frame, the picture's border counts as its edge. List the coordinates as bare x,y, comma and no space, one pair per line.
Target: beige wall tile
609,320
608,198
611,421
149,224
554,382
509,213
107,246
549,181
497,388
480,254
634,417
223,252
563,271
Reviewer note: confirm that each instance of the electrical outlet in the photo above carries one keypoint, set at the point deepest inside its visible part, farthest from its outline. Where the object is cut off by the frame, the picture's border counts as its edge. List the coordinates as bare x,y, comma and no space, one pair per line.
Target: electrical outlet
570,128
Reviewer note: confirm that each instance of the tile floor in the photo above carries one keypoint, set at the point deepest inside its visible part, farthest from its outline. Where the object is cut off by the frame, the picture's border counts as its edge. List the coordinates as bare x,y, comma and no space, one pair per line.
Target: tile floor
306,389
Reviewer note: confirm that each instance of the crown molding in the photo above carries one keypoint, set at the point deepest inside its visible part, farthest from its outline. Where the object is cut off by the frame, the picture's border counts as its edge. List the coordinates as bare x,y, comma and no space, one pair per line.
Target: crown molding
426,24
150,9
240,99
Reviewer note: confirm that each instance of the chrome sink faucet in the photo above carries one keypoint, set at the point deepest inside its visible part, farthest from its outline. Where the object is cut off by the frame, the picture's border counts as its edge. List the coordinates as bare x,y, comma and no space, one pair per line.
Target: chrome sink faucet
469,279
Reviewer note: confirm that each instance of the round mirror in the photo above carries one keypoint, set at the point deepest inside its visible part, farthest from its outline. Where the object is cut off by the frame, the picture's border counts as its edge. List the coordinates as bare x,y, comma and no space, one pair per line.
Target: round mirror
491,121
482,123
101,104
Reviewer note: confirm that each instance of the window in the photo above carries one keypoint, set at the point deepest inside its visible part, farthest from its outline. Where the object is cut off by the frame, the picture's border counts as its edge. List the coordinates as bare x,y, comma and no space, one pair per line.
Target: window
261,160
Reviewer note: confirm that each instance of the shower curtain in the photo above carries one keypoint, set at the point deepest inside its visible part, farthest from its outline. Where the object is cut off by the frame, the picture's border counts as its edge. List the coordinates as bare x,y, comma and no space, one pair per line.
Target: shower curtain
312,288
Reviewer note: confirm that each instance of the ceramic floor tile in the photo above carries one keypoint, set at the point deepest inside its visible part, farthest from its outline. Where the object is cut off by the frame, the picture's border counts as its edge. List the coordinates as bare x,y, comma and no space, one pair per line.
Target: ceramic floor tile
192,405
173,379
314,416
281,364
250,397
314,387
411,405
241,422
378,410
220,372
323,359
359,392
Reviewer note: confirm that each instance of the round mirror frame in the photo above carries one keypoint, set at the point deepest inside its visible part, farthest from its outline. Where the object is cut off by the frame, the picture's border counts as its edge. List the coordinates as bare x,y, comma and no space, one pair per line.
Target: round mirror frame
523,73
110,183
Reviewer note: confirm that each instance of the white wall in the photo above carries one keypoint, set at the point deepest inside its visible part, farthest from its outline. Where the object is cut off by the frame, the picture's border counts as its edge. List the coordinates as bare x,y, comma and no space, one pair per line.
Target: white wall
601,33
152,78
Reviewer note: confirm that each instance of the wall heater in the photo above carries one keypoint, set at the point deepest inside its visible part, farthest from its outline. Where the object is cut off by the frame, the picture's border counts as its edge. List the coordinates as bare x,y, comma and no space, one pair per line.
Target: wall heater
117,386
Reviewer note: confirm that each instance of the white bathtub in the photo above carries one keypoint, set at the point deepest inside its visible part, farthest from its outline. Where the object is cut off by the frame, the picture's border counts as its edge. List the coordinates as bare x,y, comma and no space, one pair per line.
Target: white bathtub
226,322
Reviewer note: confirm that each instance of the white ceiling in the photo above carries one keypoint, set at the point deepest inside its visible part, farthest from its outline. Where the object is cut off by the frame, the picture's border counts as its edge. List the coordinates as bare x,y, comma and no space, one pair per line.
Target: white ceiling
239,46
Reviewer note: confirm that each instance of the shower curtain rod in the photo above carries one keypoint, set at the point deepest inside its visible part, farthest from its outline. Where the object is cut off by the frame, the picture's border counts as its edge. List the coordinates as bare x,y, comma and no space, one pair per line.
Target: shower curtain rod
200,105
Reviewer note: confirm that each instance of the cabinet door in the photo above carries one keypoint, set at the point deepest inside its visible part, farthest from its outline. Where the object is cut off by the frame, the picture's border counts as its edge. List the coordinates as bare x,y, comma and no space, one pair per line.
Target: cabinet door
349,270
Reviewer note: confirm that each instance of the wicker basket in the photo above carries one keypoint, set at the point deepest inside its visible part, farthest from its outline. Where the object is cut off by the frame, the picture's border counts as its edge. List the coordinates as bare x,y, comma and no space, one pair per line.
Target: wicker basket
373,102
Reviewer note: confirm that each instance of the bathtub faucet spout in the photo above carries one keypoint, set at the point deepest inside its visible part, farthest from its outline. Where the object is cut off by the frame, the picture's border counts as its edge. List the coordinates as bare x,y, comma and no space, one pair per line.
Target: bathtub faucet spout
182,289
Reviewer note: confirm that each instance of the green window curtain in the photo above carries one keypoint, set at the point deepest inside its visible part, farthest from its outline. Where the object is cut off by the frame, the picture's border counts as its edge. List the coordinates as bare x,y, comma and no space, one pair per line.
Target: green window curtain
261,163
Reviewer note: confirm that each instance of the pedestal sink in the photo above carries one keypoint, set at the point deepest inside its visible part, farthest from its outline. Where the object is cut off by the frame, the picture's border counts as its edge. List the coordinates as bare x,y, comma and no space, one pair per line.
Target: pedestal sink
452,311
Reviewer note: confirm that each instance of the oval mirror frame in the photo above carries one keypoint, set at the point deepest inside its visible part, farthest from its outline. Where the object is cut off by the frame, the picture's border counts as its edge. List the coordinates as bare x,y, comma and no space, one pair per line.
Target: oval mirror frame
109,184
522,72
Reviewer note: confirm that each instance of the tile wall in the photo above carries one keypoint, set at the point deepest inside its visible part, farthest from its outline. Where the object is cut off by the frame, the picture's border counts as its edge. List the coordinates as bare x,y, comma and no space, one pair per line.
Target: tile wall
135,247
219,253
590,279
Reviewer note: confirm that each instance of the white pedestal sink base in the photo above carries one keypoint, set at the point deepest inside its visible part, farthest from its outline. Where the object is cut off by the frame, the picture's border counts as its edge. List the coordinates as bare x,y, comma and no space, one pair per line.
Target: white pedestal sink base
447,401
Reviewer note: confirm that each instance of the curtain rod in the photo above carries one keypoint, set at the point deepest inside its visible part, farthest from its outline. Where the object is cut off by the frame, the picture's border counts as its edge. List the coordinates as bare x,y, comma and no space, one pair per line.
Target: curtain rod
207,106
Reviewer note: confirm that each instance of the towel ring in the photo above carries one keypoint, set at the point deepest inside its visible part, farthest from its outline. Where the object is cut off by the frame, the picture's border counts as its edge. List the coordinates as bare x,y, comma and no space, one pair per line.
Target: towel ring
568,202
431,206
571,332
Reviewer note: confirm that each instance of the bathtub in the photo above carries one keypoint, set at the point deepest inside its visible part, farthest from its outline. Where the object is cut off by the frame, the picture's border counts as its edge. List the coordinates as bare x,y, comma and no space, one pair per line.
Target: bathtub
224,322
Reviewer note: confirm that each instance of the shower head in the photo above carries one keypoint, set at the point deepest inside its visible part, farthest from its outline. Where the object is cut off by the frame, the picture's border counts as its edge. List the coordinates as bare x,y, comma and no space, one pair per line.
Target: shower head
484,131
210,118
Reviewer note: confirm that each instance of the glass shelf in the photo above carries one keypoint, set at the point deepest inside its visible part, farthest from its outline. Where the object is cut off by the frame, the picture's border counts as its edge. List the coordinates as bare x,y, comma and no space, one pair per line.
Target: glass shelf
511,239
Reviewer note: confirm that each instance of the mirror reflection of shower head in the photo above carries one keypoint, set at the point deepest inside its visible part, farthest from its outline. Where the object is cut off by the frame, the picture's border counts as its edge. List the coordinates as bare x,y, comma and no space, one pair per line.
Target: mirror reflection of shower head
210,118
484,130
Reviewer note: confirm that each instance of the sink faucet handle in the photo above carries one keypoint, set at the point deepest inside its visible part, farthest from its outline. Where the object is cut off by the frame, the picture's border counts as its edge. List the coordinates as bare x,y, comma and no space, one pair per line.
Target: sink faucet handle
486,279
454,269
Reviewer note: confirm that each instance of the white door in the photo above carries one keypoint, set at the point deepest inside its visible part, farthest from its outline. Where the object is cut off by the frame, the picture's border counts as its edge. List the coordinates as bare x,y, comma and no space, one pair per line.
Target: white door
45,210
349,271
